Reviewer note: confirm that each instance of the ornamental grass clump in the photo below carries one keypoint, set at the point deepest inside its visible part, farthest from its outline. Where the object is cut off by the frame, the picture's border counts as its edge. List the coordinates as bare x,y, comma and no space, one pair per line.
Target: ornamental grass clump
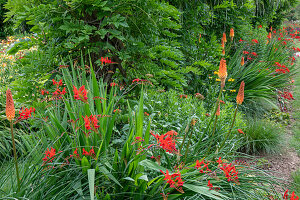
10,115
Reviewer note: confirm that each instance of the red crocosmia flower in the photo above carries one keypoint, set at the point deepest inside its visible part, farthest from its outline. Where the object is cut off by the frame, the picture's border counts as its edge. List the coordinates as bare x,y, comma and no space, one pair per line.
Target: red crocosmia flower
174,180
202,166
136,80
245,52
57,83
49,155
255,41
146,114
106,60
294,197
230,172
254,54
43,92
219,161
210,185
286,195
94,121
26,113
183,96
91,122
167,141
85,153
279,38
87,122
117,110
92,152
240,131
137,140
260,26
75,154
80,94
287,95
241,40
113,84
222,102
63,92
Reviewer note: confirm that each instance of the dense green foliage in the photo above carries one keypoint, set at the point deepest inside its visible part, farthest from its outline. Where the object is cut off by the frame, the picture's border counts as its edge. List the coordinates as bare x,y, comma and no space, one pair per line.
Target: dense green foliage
142,37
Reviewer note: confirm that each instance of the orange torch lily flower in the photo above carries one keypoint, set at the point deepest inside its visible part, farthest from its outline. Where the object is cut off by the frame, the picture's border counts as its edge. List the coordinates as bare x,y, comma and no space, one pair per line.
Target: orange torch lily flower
240,95
231,33
243,61
224,37
269,35
222,72
222,43
10,107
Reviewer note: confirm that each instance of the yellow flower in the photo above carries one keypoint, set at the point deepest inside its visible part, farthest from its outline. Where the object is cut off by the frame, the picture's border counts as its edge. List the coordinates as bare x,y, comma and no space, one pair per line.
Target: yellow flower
216,72
217,79
224,90
210,77
230,80
232,90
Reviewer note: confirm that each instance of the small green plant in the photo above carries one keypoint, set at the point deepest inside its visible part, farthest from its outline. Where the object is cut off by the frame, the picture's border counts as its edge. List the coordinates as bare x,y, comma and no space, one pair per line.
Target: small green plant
261,136
296,179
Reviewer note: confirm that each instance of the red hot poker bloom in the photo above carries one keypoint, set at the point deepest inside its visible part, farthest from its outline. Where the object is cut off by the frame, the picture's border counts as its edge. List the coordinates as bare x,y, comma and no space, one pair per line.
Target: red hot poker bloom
255,41
224,37
10,107
231,33
240,95
242,61
80,94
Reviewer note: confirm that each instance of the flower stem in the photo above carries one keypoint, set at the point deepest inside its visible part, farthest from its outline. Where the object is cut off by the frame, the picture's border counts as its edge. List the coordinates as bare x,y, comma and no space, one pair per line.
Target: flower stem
211,119
187,147
228,133
212,135
15,154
